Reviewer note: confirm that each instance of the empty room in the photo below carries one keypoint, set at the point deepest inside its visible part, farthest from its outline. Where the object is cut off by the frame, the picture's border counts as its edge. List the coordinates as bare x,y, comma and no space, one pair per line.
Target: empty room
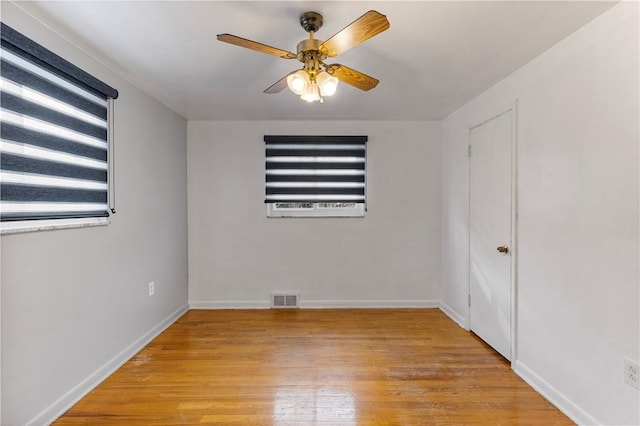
320,212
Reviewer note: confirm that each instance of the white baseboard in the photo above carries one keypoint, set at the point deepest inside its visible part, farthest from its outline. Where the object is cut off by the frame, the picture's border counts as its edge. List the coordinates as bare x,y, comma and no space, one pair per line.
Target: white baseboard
456,317
316,304
345,304
575,413
229,304
55,410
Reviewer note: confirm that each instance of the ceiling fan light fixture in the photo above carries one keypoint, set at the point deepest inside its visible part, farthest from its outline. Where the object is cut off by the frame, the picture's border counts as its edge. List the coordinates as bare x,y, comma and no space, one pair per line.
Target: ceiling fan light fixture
298,82
327,83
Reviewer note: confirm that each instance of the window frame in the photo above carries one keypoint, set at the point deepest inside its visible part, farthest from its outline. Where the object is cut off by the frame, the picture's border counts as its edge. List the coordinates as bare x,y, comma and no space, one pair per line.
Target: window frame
39,74
316,146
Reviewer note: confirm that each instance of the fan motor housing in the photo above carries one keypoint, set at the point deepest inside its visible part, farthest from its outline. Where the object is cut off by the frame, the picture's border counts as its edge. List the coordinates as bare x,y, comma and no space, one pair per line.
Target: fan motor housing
309,44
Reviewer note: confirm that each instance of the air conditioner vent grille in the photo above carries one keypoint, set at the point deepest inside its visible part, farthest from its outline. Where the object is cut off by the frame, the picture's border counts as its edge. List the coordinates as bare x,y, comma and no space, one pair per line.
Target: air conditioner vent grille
286,300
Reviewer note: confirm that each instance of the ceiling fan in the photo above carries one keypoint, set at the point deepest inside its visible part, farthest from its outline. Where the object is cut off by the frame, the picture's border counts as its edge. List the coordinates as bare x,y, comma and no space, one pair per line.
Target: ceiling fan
317,79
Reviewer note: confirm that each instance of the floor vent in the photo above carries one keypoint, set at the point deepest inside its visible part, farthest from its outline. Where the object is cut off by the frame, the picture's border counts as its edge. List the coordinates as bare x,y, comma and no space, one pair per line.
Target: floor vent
284,300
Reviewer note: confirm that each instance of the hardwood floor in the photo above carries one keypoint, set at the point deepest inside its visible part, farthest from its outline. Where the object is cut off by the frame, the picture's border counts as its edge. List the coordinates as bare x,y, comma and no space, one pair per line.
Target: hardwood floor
303,367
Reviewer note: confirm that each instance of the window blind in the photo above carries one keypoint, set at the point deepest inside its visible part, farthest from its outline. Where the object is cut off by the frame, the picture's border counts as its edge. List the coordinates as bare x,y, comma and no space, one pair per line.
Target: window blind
53,135
327,169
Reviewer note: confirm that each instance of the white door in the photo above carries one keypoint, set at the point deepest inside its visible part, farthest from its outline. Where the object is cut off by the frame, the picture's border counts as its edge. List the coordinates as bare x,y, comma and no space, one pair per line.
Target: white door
490,232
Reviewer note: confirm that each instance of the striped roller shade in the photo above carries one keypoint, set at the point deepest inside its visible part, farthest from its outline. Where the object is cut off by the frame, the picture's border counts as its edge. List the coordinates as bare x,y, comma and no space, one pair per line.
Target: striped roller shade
53,125
327,169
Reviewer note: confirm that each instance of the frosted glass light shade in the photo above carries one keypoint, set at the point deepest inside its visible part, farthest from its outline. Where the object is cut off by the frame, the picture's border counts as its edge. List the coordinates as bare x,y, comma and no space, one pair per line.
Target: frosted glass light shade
298,82
311,93
328,83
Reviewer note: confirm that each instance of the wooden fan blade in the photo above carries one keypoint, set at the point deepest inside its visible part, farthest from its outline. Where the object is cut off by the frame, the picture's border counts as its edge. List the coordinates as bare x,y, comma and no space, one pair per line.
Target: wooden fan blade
254,45
360,30
279,85
352,77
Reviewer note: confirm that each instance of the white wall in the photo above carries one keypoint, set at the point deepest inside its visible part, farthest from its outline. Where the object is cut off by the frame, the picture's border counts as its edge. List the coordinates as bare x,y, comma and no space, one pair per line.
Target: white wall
74,301
237,256
578,262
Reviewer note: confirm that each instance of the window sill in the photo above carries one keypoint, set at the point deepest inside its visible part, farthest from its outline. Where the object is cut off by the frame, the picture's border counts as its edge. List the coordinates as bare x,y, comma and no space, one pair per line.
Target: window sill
315,212
50,225
315,216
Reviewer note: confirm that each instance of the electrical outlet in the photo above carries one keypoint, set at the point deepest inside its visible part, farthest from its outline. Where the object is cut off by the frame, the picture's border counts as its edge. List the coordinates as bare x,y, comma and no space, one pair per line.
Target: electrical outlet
631,373
152,288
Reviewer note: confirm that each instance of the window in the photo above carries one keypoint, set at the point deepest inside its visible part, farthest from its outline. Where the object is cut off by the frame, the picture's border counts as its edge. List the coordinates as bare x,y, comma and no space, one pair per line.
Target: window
54,146
315,176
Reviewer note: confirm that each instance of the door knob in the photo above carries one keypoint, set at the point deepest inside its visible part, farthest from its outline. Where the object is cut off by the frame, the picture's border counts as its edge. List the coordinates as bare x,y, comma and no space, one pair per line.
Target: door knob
503,249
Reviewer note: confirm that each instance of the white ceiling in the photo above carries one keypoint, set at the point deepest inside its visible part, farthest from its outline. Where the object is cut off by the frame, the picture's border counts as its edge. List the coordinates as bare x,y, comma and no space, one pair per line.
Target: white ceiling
436,56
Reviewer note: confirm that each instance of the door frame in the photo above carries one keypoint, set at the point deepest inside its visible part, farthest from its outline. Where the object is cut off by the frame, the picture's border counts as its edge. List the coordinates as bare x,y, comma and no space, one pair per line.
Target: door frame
489,115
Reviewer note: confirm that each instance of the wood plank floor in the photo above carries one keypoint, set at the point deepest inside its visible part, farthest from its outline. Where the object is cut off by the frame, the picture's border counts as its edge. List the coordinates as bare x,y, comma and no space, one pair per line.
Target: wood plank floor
304,367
